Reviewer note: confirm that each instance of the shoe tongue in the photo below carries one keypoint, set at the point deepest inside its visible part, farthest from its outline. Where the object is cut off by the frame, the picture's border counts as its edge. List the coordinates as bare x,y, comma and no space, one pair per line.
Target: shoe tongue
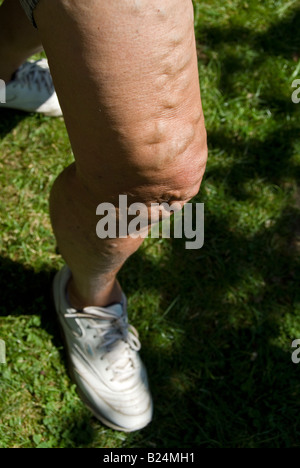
117,307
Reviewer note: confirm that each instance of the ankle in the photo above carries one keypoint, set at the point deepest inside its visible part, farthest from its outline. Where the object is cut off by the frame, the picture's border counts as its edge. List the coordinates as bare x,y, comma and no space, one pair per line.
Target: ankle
99,298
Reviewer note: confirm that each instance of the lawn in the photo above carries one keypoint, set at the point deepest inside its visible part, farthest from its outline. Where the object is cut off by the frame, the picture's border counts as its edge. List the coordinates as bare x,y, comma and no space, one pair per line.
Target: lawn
217,323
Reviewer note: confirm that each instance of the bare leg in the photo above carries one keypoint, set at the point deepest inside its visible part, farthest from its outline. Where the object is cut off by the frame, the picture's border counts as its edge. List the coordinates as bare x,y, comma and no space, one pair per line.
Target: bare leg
126,75
18,38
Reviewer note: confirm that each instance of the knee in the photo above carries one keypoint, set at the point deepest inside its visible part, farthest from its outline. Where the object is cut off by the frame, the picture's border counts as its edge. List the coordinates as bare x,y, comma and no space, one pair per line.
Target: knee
171,160
174,176
163,163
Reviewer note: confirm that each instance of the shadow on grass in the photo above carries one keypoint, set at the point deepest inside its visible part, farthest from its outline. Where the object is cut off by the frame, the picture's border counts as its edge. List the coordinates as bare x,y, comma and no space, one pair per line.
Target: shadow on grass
23,291
9,119
281,39
269,160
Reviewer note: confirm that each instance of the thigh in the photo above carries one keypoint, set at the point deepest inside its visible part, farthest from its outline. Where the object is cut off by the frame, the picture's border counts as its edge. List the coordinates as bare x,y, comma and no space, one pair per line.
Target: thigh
126,75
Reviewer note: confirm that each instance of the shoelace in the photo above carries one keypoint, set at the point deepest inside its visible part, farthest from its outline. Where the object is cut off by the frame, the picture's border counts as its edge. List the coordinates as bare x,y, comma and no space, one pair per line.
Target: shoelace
113,328
34,74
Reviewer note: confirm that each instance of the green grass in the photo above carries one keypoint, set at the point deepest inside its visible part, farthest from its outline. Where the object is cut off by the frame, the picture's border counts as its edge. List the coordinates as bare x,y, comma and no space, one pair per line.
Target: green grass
216,324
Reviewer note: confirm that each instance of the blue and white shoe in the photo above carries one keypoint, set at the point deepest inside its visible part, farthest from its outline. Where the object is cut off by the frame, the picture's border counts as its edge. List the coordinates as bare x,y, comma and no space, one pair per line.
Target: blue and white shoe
32,90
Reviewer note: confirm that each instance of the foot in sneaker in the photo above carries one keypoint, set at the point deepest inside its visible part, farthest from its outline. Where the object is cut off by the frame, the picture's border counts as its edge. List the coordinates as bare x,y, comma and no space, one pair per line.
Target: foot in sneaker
32,90
103,356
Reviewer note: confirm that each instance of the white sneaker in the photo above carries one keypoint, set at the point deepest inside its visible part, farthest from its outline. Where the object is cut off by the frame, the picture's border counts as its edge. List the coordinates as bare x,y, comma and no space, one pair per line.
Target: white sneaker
104,362
32,90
